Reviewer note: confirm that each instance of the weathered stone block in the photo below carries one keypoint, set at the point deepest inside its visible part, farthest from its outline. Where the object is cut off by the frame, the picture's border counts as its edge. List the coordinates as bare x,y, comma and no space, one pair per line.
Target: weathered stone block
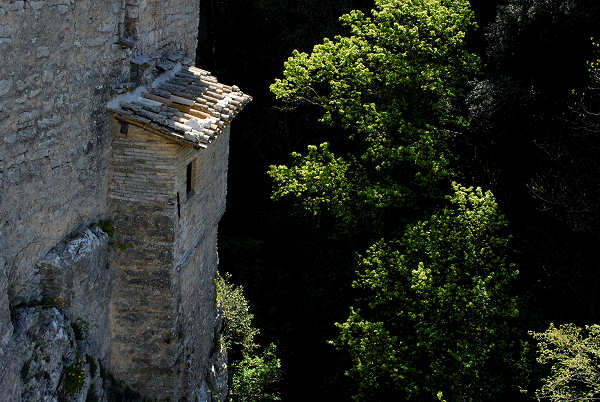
49,122
42,52
96,41
48,76
16,6
5,86
63,9
7,30
37,5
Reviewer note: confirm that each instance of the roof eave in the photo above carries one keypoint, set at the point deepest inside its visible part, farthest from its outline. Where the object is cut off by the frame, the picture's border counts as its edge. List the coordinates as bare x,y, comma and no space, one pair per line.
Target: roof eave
167,134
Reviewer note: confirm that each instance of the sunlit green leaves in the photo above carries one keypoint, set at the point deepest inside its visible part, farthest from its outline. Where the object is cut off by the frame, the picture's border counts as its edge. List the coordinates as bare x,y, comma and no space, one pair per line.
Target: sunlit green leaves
256,376
319,180
435,306
255,372
391,85
573,355
409,51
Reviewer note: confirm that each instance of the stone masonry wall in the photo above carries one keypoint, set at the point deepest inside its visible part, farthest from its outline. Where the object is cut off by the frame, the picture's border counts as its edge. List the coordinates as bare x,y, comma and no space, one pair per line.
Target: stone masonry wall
203,375
196,260
163,311
142,205
167,24
142,167
62,60
203,210
60,64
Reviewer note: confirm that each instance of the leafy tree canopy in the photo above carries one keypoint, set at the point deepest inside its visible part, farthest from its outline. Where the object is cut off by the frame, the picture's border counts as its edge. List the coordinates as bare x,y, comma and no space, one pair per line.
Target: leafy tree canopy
433,319
435,312
391,86
256,376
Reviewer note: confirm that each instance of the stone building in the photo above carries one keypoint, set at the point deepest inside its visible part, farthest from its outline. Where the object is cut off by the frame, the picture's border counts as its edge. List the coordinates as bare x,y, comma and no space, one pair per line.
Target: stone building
108,215
166,195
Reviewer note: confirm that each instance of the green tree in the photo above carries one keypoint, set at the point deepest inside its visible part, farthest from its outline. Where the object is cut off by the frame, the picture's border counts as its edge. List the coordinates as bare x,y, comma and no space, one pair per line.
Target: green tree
394,87
435,312
573,354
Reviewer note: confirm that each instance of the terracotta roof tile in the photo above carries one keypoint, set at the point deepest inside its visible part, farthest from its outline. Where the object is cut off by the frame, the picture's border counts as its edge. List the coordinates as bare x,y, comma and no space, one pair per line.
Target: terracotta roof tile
186,103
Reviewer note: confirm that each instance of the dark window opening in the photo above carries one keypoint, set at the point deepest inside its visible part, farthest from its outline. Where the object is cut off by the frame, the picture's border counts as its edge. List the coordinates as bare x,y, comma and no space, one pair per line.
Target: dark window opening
178,207
124,127
189,185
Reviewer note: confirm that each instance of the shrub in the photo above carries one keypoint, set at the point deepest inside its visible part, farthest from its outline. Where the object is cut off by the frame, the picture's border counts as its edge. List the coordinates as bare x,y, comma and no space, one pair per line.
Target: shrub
75,376
107,227
57,302
256,377
238,332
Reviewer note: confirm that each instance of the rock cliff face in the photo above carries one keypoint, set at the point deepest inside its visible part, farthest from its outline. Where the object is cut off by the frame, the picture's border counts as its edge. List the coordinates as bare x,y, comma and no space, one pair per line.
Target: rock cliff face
62,60
66,332
66,325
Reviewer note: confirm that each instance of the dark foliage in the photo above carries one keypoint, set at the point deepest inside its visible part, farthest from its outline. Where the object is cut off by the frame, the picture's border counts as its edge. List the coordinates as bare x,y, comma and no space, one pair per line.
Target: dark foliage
527,147
528,142
289,267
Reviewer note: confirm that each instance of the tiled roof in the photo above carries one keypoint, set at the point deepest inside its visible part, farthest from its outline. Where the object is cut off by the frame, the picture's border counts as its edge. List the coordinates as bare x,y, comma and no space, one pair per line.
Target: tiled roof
185,103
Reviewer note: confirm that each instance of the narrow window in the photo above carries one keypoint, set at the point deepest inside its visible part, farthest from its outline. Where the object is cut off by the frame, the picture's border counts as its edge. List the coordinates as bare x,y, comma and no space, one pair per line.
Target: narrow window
189,178
178,207
124,127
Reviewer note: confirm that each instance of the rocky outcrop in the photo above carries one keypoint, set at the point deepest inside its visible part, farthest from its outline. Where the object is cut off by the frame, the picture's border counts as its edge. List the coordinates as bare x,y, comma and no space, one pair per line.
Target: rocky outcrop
56,361
56,347
213,385
78,272
48,347
9,355
216,371
59,339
